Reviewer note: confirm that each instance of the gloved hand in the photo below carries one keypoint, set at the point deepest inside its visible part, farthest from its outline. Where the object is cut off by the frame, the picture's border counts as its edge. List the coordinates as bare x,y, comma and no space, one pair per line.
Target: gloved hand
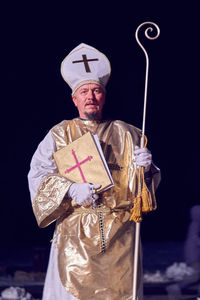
82,193
143,158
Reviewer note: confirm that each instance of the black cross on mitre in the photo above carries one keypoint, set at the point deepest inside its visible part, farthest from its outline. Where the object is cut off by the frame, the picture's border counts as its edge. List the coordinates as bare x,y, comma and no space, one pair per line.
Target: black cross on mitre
85,60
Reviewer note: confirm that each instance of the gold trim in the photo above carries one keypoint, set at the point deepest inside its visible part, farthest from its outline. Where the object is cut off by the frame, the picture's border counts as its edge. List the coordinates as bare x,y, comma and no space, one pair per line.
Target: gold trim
85,82
90,210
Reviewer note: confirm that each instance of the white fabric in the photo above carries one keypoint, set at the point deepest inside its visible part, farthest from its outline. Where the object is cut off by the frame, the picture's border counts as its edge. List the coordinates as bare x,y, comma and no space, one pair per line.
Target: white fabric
85,64
143,158
53,288
42,164
82,193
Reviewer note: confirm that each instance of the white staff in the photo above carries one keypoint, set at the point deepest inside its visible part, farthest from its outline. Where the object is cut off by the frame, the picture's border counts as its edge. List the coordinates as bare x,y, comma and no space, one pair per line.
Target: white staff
137,232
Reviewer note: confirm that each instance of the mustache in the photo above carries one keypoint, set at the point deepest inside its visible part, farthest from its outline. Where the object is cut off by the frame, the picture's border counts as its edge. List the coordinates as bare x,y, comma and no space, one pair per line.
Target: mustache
91,102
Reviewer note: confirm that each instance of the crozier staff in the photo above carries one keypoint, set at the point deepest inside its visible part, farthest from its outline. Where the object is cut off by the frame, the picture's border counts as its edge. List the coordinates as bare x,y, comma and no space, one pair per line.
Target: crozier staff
92,253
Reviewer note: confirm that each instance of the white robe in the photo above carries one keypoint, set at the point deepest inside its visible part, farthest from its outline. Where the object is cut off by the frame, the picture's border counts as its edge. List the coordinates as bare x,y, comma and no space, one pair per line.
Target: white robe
42,164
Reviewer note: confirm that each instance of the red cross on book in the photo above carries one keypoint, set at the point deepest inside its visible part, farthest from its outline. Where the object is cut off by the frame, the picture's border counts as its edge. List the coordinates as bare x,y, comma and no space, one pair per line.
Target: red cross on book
78,165
83,161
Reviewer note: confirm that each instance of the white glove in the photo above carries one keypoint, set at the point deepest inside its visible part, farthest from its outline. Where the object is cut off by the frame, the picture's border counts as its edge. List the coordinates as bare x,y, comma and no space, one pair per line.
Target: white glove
143,158
82,193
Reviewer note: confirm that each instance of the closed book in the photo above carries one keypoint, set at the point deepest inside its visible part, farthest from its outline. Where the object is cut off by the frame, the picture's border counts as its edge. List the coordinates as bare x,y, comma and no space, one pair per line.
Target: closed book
83,161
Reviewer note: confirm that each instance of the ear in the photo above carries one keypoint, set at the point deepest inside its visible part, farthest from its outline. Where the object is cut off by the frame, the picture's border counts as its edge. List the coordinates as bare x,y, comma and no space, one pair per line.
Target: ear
74,100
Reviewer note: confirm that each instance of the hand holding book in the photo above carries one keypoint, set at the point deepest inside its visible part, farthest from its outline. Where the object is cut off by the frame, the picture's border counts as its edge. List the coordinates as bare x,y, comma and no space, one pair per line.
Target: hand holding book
82,193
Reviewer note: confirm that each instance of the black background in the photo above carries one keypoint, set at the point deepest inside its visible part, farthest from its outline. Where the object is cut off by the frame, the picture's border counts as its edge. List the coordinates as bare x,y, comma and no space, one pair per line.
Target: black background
35,39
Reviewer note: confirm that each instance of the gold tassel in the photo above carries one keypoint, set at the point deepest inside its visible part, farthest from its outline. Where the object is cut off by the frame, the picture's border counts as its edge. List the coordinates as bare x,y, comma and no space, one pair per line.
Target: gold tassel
136,211
142,202
146,200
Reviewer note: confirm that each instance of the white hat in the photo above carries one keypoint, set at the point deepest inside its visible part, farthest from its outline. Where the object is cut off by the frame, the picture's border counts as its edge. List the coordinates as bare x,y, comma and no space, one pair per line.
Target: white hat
85,64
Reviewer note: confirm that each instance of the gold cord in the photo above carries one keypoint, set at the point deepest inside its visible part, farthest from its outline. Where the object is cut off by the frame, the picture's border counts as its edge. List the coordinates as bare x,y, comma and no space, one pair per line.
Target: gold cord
142,202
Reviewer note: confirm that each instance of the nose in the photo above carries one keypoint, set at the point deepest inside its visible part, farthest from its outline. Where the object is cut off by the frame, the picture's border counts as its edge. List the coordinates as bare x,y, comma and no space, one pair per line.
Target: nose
90,94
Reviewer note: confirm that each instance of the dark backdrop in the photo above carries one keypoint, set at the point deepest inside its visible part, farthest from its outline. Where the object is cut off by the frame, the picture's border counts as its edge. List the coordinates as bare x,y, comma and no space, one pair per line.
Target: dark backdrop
35,39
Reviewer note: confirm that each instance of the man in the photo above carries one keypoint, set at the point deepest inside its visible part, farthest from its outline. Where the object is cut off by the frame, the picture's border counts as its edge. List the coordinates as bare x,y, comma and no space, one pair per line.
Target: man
92,252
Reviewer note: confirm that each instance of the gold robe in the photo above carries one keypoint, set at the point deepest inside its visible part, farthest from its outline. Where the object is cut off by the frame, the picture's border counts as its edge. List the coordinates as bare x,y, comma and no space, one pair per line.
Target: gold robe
96,246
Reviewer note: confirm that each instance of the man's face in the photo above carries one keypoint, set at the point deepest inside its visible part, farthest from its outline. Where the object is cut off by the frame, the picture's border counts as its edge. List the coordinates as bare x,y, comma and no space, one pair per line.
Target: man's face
89,100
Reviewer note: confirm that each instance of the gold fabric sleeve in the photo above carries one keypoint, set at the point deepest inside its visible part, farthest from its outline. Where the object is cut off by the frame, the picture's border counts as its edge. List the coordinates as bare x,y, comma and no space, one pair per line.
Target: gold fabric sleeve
51,201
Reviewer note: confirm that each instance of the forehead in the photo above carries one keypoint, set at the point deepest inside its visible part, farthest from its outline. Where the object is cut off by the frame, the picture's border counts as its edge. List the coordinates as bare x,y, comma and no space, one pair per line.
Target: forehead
89,86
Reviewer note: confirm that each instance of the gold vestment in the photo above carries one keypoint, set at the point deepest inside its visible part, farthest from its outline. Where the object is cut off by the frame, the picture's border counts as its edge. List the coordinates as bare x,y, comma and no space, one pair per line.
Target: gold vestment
96,246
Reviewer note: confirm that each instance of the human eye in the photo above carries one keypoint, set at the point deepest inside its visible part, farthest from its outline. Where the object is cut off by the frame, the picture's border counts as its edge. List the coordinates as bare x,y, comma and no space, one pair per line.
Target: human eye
83,92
